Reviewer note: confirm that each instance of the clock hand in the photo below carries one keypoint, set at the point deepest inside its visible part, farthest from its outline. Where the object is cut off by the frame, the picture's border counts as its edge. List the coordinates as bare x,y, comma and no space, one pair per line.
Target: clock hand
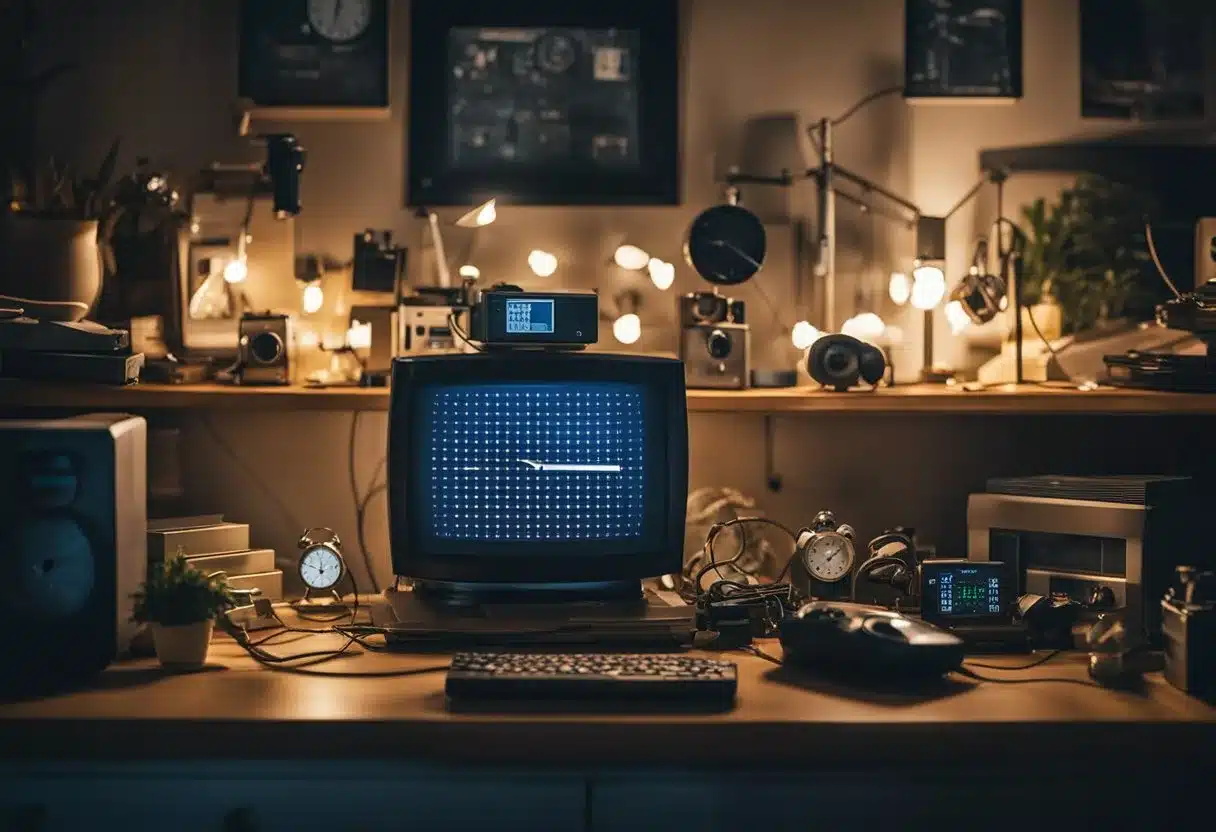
743,255
337,11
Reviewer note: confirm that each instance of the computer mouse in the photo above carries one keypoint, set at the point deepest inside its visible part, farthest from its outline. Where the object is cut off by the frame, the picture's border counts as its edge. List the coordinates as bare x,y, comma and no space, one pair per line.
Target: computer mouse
829,636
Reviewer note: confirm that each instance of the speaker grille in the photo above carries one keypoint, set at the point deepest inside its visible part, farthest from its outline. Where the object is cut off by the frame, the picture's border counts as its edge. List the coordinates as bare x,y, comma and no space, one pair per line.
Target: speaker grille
1139,490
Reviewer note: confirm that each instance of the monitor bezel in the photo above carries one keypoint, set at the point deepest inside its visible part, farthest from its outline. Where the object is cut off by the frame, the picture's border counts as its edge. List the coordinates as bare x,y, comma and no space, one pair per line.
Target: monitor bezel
411,375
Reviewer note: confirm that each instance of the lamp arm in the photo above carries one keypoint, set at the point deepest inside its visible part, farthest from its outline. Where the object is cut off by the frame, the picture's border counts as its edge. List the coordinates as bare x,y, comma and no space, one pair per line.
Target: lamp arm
867,185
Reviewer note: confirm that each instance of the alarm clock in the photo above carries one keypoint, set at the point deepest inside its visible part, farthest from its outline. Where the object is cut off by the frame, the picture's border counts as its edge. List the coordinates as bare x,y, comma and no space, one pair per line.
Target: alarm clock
824,558
322,566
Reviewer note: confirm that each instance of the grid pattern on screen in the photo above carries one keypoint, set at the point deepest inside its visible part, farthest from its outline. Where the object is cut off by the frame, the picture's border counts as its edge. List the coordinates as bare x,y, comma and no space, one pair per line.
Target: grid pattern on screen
537,462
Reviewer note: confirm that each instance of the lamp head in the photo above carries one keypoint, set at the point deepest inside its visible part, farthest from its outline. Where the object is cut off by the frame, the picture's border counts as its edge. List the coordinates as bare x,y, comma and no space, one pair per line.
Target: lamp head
480,216
980,295
928,286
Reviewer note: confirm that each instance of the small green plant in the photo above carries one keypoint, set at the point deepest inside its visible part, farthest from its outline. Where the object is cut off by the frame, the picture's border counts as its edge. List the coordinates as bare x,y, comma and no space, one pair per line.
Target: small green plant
177,593
1087,250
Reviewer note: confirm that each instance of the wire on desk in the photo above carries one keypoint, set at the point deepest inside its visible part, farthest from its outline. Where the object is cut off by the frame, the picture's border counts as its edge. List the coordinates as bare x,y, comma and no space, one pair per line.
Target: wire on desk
1041,660
768,657
1059,680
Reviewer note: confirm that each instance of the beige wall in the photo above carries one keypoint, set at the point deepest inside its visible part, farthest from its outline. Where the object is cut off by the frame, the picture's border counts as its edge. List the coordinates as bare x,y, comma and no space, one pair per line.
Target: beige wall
162,74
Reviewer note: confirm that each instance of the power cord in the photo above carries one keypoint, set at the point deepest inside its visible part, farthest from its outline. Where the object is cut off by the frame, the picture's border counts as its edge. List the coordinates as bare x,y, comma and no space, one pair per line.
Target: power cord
1058,680
459,332
1044,659
1152,253
874,96
360,502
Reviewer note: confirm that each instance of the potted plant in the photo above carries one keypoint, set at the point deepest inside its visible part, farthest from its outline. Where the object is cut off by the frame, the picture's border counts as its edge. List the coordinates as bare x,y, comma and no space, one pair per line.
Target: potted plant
180,603
1087,253
54,227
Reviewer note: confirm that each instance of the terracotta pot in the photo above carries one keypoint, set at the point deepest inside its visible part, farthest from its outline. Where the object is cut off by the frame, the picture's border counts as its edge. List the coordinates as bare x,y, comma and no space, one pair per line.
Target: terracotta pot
51,268
183,647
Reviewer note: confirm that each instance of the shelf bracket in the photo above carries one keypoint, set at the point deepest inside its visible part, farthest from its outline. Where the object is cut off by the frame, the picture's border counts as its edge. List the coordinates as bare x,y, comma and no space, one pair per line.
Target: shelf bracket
772,477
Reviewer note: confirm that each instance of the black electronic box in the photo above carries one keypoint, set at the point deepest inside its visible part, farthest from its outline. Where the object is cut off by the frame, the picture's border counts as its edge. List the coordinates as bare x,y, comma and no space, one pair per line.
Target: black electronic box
507,316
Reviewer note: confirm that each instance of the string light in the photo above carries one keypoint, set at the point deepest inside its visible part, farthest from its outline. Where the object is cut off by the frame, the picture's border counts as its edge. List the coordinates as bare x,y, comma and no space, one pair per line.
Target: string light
236,271
899,288
804,335
470,272
866,327
957,317
313,298
631,258
662,273
542,263
627,328
928,286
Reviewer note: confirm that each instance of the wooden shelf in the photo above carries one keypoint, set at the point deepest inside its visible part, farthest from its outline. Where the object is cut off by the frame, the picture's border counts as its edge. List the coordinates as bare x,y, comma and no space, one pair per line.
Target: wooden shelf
913,398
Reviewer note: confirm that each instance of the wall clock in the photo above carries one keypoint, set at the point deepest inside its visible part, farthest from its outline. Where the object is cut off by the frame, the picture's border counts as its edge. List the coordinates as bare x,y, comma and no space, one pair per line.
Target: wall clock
315,58
543,102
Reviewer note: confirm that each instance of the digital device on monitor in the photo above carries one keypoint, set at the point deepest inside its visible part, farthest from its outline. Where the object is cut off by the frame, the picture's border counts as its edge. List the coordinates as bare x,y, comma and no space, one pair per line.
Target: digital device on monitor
507,316
959,592
537,470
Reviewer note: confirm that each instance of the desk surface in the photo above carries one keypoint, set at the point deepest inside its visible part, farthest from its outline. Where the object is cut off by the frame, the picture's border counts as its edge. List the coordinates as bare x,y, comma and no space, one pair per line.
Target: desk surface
239,709
911,398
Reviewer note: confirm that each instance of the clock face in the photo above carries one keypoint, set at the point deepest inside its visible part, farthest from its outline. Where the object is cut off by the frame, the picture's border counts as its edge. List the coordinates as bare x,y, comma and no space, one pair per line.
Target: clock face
726,245
829,557
320,567
339,20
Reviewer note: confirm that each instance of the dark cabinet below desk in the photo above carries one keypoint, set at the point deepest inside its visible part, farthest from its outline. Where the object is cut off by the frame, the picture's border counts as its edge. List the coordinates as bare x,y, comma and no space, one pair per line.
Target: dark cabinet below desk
284,797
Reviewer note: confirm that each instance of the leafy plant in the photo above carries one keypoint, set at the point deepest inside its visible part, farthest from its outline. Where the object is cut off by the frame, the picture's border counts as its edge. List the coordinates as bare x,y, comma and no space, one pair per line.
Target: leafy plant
52,191
177,593
1087,251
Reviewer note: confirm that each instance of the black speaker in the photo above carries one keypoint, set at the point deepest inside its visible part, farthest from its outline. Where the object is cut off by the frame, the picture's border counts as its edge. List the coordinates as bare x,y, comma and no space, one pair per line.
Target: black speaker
73,546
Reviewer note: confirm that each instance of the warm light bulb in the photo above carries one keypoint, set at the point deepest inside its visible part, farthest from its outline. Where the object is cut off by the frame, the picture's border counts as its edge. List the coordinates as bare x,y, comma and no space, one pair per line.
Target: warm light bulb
631,258
236,271
900,288
359,336
628,328
313,298
542,263
866,327
662,273
928,287
486,214
470,272
956,316
309,339
804,335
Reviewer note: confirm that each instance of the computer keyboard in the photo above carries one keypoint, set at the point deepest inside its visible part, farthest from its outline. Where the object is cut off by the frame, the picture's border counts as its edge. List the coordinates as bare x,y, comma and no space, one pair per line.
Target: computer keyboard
601,676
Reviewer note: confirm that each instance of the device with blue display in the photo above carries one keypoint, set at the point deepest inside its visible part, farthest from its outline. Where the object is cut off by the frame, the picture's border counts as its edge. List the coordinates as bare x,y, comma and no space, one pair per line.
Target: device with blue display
962,592
536,473
506,316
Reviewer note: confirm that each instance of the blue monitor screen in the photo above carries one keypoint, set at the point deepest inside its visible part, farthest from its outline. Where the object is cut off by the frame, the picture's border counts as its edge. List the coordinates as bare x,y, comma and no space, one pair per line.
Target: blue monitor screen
529,316
533,462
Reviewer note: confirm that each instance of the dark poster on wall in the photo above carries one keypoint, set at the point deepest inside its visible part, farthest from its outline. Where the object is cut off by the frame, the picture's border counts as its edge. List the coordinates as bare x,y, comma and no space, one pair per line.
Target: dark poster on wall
1143,60
963,48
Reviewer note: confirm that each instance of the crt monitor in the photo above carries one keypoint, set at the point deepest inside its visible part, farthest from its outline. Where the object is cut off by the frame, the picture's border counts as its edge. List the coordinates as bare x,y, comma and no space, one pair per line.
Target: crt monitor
533,468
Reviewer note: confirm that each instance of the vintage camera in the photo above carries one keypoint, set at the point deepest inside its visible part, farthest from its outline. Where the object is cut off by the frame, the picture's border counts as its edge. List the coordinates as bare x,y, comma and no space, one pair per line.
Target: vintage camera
263,350
715,342
1188,624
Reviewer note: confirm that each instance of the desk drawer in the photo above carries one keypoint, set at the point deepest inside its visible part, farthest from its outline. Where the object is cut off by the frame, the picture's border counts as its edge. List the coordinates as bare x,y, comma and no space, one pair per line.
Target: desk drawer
286,797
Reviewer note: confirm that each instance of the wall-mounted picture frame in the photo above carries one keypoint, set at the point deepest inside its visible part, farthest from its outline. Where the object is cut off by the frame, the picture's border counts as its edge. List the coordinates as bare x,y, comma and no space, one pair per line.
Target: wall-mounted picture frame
542,102
315,59
1145,60
967,51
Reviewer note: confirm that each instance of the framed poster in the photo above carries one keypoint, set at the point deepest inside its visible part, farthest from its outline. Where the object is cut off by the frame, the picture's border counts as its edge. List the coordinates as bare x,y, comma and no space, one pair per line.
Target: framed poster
315,58
1143,60
544,102
963,49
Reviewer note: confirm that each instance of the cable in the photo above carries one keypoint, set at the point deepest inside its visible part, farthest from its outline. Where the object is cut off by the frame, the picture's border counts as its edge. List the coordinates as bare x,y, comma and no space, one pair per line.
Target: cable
768,657
874,96
1039,661
962,671
1152,253
460,333
712,563
354,492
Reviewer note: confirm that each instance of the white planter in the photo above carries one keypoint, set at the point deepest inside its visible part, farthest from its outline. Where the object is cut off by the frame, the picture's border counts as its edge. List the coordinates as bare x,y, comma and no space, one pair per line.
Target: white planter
183,647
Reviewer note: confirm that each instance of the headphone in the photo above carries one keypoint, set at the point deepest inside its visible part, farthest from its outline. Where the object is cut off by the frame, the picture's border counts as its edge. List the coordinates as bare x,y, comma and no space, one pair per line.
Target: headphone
841,361
898,570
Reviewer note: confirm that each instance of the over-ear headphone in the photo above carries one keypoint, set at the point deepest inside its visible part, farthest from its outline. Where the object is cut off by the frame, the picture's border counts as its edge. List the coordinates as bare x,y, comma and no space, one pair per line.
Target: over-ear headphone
841,361
891,562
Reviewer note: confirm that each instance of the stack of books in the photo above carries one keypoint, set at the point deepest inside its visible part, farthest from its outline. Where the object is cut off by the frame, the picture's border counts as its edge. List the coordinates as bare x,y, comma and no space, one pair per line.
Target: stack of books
212,544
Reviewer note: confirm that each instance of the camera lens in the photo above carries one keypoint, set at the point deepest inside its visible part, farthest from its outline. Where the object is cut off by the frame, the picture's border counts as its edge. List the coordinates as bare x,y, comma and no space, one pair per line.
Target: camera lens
840,362
718,344
265,347
708,308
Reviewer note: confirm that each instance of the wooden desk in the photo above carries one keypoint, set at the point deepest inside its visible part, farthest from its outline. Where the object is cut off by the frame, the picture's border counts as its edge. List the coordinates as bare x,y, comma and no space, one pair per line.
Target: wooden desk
792,749
911,398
